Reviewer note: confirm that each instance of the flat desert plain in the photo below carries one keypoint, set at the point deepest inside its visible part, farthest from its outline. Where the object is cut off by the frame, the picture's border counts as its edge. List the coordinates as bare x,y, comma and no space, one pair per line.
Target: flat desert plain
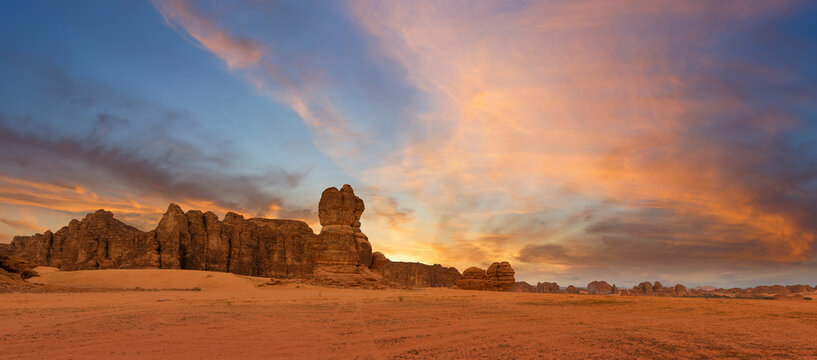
237,317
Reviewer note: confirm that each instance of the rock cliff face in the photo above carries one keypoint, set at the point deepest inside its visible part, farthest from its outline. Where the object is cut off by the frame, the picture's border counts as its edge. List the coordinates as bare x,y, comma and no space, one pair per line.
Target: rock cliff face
413,275
340,254
200,241
192,240
499,276
96,242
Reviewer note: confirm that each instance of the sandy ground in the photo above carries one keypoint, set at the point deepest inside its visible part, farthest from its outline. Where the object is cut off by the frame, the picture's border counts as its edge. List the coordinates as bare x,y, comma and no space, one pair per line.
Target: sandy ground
233,318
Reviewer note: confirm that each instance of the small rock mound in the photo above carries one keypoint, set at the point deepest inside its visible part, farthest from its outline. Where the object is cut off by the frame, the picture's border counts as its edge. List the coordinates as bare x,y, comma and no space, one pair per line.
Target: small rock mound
14,270
523,286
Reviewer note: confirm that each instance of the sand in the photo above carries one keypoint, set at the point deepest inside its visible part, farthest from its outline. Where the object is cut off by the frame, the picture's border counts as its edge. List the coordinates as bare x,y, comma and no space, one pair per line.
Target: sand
233,318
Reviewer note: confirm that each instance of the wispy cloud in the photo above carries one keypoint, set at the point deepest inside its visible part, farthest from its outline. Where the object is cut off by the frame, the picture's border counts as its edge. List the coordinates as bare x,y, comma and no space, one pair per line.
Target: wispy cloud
560,134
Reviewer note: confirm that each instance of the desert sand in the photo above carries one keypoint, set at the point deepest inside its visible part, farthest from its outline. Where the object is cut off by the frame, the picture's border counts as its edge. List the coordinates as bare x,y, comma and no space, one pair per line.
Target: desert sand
235,316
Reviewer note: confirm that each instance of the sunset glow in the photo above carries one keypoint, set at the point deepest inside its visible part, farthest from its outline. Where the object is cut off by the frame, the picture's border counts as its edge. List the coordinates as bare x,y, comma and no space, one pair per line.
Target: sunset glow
579,140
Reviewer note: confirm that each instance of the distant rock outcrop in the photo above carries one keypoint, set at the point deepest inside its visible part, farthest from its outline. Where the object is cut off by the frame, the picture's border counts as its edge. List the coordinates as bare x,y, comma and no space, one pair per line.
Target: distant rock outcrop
542,287
499,276
415,275
649,289
522,286
600,288
548,288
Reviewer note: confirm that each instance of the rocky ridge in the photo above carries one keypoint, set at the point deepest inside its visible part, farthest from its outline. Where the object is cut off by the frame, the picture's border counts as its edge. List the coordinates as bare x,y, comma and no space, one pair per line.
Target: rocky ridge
198,240
339,255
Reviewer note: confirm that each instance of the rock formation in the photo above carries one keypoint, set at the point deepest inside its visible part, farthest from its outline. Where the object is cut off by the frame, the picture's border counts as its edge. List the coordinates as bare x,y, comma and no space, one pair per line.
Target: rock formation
96,242
523,286
649,289
571,290
542,287
5,249
548,288
200,241
13,271
192,240
342,246
599,288
415,275
499,276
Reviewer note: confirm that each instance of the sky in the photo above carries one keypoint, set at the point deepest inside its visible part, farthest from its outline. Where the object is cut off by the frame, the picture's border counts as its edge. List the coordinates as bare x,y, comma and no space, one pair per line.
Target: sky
624,141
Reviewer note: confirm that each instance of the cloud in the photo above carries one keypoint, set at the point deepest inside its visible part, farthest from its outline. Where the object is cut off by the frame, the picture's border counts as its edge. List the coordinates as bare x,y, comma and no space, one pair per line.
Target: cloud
236,51
288,78
24,224
571,136
556,106
88,146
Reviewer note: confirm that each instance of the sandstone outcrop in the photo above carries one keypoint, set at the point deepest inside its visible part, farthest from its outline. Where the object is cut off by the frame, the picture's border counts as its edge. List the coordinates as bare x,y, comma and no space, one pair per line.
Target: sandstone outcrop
343,248
98,241
378,260
548,288
200,241
649,289
542,287
17,265
498,277
14,270
5,249
192,240
600,288
571,290
522,286
417,275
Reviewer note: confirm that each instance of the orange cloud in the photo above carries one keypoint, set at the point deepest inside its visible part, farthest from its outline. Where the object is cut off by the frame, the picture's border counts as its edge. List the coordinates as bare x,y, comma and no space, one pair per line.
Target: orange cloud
557,126
238,52
551,99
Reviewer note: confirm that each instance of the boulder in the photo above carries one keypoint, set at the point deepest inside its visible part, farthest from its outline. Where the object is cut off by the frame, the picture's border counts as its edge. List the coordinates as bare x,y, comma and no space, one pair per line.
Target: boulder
17,265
